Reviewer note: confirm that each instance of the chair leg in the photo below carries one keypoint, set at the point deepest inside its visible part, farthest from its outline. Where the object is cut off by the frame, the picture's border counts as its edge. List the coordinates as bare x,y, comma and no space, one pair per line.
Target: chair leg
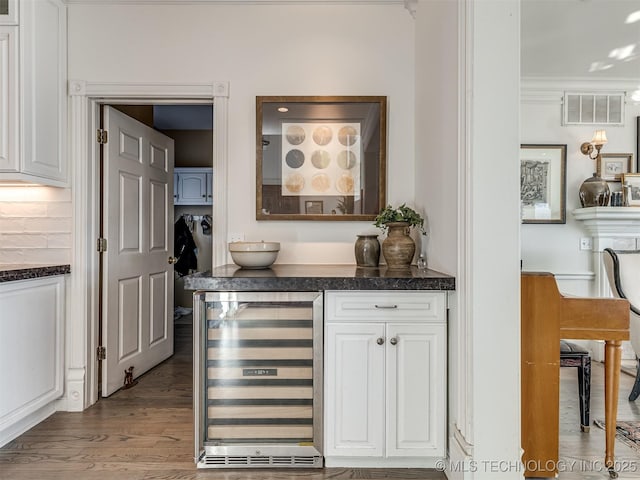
584,391
635,391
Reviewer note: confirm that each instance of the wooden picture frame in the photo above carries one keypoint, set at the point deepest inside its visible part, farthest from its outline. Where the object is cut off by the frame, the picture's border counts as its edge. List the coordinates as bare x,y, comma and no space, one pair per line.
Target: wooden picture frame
614,165
330,151
313,207
543,183
631,182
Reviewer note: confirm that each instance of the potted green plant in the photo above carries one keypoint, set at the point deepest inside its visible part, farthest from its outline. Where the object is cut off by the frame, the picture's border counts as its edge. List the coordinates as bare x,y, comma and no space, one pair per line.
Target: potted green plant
398,248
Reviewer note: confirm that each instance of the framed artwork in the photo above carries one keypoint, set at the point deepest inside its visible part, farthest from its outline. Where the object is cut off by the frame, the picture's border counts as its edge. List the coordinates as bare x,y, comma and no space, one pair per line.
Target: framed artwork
637,143
613,165
543,182
632,189
320,158
313,207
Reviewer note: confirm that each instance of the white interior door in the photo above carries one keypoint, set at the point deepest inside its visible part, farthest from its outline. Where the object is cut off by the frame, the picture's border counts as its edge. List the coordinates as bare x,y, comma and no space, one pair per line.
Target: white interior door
137,325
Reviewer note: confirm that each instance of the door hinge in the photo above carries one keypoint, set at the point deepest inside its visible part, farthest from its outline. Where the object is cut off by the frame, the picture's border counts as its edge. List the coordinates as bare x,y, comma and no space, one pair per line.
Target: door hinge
101,352
102,136
101,245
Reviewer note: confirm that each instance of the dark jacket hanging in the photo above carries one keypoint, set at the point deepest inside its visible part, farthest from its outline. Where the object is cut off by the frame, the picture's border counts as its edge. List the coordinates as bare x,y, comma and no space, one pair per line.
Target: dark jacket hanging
184,248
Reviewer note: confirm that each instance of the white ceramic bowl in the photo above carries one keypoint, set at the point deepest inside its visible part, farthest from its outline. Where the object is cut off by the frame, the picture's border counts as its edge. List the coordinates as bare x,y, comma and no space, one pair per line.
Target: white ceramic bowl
254,255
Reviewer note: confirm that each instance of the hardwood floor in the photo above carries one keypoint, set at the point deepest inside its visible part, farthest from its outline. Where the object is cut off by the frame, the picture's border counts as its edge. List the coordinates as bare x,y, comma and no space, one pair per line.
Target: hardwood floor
582,454
146,433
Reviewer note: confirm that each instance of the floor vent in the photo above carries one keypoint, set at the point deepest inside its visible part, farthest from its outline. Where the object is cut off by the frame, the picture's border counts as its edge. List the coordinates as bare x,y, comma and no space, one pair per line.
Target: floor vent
222,461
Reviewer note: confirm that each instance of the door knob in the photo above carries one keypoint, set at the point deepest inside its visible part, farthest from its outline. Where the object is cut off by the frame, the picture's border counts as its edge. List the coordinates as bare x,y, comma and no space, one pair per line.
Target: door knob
172,260
380,341
393,341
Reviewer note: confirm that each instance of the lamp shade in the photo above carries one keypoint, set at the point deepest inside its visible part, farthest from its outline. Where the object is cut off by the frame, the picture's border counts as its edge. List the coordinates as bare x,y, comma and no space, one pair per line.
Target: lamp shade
599,137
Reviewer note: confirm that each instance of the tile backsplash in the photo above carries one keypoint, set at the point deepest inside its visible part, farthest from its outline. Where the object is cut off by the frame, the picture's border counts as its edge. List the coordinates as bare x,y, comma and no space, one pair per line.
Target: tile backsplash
35,225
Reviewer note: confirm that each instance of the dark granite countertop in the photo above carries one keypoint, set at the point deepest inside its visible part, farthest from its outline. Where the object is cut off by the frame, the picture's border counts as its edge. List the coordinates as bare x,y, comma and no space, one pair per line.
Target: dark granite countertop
9,273
300,278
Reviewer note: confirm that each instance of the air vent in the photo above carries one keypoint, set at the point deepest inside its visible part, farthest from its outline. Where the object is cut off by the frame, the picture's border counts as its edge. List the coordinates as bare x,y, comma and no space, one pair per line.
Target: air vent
593,108
222,461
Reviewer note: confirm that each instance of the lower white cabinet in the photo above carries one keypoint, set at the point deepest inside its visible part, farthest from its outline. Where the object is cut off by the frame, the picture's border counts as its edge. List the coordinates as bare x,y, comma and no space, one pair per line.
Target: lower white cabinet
31,352
385,390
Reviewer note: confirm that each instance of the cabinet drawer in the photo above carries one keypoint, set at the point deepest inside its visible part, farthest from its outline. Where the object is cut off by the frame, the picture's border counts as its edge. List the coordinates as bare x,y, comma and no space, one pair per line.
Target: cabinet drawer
423,306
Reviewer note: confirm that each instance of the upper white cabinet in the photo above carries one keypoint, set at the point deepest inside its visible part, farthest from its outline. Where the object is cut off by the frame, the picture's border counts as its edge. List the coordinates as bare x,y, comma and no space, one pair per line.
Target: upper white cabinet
193,186
33,83
385,390
9,138
8,12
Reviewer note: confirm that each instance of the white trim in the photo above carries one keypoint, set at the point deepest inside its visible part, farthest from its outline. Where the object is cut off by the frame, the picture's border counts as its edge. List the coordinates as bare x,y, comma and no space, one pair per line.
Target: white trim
234,2
85,98
575,276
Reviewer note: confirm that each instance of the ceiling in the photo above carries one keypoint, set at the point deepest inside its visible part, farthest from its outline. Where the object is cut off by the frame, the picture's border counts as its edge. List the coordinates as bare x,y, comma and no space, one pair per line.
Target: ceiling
580,38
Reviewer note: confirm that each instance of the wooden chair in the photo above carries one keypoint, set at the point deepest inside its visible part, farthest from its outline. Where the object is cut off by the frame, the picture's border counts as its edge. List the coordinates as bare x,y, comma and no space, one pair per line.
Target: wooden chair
571,355
623,271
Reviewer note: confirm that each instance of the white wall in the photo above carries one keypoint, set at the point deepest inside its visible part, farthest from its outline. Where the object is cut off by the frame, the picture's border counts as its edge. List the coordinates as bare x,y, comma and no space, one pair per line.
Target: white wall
555,247
35,225
264,50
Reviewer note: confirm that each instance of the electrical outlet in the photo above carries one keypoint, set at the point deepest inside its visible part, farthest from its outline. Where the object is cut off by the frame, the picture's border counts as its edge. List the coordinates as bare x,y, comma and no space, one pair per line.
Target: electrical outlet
236,237
586,244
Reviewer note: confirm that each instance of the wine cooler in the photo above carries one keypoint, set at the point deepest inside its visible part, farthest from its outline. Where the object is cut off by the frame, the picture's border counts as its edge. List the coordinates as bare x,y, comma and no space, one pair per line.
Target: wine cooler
258,379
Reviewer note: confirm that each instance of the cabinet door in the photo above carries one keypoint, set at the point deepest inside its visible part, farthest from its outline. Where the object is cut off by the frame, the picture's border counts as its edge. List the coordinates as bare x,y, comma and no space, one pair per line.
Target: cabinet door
43,81
192,188
9,161
415,368
209,185
354,400
9,12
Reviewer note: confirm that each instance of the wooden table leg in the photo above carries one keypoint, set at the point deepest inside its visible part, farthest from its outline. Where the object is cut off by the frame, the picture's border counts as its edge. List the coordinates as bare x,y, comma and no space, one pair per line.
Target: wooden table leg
612,359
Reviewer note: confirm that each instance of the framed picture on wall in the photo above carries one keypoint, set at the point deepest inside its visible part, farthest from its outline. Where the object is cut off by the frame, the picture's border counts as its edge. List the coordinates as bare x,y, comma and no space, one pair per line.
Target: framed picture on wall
614,165
543,181
638,143
632,190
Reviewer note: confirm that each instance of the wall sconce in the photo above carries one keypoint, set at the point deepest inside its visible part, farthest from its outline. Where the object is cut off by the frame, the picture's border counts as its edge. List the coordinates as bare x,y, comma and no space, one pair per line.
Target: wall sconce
594,191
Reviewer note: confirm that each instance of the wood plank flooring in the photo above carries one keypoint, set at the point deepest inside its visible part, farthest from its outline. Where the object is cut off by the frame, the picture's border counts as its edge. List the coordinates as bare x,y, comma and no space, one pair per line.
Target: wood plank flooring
146,433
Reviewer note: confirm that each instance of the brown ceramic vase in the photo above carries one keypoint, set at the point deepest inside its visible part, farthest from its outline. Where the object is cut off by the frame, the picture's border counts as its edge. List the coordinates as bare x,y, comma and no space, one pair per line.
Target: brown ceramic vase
398,248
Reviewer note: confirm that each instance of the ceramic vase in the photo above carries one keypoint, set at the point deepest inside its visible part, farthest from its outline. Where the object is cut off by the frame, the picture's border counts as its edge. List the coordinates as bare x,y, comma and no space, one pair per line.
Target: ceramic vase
398,248
367,250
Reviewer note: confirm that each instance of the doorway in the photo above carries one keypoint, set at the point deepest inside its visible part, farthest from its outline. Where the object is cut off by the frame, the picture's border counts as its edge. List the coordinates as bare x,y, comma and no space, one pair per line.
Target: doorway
81,370
136,309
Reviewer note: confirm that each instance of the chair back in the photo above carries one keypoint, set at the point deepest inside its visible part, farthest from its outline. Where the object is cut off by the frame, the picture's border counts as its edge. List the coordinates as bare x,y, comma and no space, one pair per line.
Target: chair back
623,271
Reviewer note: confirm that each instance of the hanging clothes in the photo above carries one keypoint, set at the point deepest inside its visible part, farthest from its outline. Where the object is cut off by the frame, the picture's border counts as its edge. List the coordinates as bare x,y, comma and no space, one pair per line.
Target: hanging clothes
184,248
206,224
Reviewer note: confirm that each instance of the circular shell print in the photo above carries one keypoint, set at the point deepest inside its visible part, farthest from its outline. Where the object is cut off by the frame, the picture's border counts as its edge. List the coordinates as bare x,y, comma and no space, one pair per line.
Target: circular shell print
294,158
294,183
345,184
347,136
322,135
295,135
320,182
346,160
320,159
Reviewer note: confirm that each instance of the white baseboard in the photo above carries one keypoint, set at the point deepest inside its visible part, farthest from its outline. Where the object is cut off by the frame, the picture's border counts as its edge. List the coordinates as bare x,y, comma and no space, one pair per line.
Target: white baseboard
459,466
19,427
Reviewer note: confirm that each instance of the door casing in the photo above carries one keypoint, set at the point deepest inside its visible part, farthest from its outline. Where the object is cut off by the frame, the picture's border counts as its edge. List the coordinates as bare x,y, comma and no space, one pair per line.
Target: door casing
81,371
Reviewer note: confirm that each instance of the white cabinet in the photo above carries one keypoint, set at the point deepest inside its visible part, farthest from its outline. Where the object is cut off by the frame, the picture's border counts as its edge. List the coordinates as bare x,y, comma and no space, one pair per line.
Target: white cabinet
33,80
31,352
9,12
9,99
385,391
193,186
